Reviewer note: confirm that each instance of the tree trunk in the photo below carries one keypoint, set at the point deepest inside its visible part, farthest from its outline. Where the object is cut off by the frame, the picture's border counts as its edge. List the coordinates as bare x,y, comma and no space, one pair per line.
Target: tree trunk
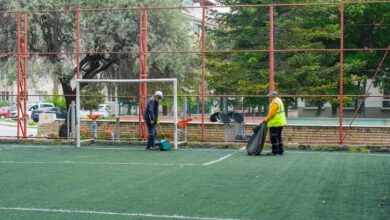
363,107
334,111
319,109
286,111
96,63
221,104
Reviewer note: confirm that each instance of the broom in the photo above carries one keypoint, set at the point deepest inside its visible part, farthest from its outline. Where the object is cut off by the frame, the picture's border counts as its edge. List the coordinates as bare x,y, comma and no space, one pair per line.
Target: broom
163,144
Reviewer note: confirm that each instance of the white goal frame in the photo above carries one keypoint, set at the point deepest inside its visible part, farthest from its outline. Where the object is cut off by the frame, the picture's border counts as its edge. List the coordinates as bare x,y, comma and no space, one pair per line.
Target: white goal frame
172,80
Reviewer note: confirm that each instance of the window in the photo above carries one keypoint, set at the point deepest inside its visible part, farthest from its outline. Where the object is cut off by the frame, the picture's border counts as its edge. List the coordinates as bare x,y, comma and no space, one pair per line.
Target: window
196,28
386,98
5,96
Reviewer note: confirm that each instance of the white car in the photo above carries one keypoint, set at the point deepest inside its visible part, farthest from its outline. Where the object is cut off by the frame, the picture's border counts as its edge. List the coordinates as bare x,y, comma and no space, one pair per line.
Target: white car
104,112
32,107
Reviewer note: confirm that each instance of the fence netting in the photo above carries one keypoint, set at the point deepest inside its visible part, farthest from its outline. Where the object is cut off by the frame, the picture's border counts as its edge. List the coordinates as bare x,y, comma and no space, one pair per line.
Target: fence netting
328,62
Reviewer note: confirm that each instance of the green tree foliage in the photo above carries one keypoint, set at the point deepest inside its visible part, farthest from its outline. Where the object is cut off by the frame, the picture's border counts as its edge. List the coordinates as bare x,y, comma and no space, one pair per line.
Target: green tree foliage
102,31
367,26
239,73
298,73
94,95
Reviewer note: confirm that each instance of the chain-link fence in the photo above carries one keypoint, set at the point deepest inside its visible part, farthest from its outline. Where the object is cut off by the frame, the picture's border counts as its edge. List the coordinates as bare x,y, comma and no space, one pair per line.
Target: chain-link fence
328,62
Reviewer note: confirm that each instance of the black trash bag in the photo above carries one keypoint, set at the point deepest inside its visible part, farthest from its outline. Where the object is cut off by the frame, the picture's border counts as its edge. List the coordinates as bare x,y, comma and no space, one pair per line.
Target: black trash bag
214,117
238,117
256,142
256,129
230,114
224,118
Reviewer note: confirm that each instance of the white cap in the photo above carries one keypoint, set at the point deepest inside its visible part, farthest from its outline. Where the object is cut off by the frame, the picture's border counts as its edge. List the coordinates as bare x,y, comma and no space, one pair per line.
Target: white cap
159,93
272,94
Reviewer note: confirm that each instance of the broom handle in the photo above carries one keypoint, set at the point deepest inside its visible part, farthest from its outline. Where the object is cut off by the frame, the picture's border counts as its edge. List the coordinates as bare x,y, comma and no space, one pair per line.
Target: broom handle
160,129
162,132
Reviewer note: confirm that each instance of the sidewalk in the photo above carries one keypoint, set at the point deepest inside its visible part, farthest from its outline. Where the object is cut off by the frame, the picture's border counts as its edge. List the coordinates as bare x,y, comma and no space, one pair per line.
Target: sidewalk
8,123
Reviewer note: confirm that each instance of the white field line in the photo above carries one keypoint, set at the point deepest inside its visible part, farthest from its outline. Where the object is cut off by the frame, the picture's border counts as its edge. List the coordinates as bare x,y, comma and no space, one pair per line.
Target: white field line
113,148
143,149
206,150
13,147
98,163
340,153
219,159
73,147
120,148
7,148
110,213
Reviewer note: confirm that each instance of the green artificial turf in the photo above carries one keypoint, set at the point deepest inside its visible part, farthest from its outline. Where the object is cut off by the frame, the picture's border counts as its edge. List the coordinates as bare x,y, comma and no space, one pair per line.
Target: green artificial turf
66,182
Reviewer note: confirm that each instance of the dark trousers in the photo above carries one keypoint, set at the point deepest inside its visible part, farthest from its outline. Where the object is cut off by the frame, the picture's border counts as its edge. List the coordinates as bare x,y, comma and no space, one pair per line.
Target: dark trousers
276,140
152,134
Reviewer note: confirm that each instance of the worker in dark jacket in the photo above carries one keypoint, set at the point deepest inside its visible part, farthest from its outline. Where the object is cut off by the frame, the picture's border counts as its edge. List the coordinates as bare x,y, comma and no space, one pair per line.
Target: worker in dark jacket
151,118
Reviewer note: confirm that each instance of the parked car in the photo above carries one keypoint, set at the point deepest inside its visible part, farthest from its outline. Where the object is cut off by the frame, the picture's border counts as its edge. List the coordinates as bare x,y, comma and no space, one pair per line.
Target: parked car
5,112
106,106
83,113
104,112
58,111
32,107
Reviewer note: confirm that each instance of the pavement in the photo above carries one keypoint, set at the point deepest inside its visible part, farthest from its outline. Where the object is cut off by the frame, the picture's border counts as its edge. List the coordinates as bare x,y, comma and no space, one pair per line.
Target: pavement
8,123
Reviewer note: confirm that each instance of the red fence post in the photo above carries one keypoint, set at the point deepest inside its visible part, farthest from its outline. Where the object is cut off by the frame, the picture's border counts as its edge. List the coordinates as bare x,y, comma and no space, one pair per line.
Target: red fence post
143,68
22,65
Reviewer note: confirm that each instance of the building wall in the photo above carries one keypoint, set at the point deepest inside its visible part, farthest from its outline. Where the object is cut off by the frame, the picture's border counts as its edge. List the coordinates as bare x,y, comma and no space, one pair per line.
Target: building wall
6,92
42,86
373,107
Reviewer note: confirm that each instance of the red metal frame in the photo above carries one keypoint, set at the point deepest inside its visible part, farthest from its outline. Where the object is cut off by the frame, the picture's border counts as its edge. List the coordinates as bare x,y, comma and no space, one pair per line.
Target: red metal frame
22,57
143,68
22,61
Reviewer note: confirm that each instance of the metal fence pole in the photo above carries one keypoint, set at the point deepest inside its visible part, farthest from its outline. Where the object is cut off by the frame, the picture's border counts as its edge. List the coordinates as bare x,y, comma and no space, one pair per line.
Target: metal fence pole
341,73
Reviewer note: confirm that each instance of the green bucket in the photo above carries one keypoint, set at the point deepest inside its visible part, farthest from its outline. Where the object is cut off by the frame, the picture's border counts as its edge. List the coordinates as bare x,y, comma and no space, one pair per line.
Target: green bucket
164,145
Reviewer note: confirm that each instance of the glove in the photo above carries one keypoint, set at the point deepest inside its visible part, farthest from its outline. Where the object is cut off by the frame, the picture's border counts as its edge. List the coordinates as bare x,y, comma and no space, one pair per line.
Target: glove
158,120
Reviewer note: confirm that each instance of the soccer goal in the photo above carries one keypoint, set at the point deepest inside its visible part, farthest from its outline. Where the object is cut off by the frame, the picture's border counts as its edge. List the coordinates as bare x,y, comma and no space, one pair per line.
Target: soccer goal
109,109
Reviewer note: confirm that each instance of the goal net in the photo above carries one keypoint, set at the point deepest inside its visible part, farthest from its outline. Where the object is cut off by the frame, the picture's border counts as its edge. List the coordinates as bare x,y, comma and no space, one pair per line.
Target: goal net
112,110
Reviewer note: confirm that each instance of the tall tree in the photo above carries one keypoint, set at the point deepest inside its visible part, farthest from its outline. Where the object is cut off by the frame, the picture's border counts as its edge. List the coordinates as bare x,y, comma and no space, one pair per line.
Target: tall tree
104,31
296,27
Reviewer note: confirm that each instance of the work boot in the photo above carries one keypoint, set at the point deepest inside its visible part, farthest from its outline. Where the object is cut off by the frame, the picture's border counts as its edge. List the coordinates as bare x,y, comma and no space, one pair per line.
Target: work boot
150,148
